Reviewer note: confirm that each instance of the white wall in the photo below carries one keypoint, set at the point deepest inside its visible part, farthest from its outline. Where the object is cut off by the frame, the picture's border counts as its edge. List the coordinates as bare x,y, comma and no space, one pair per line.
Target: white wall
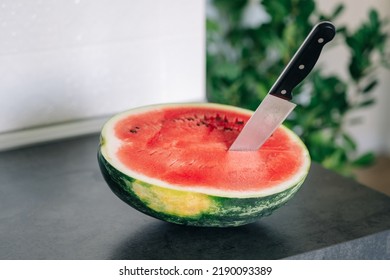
373,134
65,61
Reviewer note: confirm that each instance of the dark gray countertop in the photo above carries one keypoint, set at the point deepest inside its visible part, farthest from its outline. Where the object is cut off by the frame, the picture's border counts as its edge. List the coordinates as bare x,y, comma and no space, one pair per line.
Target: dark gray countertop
54,204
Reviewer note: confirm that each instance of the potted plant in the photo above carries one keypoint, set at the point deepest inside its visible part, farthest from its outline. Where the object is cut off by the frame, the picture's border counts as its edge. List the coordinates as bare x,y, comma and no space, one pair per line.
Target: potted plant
247,49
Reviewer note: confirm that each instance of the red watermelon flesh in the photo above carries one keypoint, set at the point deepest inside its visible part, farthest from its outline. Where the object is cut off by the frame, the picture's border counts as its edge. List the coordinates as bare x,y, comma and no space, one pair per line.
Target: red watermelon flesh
188,147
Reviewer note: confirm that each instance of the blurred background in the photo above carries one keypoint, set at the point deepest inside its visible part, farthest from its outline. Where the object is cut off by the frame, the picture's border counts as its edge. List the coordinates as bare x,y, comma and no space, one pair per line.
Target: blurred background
66,66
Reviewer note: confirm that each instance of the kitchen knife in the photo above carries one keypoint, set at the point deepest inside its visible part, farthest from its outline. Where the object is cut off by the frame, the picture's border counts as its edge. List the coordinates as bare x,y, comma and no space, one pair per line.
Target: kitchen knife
276,106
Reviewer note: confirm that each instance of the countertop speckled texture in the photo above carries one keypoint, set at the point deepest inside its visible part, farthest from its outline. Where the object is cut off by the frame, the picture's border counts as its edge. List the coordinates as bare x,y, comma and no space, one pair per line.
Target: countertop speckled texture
54,204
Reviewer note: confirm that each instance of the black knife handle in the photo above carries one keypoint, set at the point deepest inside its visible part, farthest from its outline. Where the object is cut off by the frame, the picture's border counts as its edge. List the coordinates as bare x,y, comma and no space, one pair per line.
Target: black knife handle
304,60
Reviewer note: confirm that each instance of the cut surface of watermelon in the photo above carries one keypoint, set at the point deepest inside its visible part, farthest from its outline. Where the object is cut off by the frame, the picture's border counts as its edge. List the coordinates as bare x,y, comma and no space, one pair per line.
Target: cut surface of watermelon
172,162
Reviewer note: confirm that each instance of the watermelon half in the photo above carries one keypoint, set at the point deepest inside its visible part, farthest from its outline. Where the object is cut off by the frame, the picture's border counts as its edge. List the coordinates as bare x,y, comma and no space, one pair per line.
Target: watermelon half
172,162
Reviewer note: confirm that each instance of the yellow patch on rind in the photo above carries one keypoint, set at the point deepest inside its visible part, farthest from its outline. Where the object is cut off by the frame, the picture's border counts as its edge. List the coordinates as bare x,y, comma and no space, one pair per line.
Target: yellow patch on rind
173,202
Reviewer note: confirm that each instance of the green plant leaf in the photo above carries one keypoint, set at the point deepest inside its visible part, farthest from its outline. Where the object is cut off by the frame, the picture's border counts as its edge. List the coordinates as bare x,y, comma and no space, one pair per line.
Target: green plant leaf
374,18
337,11
350,144
367,103
364,160
212,26
333,160
370,86
342,30
227,70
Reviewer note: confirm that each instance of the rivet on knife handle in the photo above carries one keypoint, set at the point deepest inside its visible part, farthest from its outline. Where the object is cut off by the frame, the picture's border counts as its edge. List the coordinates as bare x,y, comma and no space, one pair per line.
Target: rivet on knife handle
276,106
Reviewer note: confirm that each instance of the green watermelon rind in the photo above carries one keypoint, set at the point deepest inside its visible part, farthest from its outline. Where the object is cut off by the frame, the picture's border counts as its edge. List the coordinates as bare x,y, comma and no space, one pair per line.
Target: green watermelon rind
224,212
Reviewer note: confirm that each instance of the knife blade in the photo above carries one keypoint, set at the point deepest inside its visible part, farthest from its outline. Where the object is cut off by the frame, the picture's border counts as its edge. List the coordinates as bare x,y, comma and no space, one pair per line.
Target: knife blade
276,106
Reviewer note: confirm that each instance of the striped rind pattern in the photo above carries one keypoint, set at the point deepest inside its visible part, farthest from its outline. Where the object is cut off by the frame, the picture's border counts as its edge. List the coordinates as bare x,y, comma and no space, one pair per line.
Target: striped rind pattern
189,207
